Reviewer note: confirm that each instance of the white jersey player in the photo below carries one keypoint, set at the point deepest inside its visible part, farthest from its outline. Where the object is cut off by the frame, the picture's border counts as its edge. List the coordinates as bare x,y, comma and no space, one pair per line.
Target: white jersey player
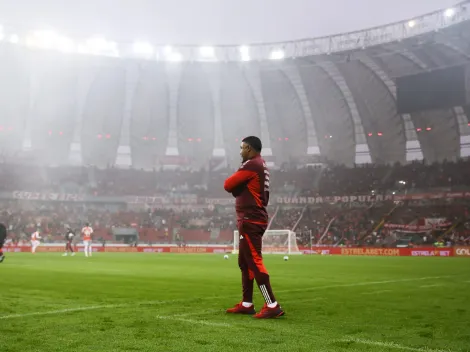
87,231
35,237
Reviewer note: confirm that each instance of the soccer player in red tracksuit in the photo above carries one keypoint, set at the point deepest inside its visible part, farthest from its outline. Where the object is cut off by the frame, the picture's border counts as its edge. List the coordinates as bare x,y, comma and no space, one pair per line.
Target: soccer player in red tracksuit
250,186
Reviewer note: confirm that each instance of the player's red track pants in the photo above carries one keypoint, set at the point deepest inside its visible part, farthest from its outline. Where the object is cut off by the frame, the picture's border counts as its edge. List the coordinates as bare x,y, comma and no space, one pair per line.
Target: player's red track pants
68,247
250,260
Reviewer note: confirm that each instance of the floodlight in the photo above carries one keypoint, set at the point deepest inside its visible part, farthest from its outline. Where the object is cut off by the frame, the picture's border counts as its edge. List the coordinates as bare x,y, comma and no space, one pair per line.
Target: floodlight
99,45
277,55
207,51
449,12
245,53
14,39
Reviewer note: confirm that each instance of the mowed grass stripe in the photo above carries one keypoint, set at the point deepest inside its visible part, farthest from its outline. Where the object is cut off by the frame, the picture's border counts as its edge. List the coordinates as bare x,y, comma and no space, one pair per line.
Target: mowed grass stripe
114,306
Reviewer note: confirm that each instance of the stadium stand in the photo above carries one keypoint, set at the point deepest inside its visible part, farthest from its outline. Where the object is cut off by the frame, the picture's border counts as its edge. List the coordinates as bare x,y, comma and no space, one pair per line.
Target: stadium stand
329,223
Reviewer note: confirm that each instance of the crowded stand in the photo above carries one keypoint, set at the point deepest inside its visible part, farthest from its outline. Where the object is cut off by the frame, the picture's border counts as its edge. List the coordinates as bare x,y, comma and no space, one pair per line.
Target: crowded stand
191,207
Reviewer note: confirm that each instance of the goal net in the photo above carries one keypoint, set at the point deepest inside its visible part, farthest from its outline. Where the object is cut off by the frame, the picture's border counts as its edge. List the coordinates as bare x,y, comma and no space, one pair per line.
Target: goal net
274,242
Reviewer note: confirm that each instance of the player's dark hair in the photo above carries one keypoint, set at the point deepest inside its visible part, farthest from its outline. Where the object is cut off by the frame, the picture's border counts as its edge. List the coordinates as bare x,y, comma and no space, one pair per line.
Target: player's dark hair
253,142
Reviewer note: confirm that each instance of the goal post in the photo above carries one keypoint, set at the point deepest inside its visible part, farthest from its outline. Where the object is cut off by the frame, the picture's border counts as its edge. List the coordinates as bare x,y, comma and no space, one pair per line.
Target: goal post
274,242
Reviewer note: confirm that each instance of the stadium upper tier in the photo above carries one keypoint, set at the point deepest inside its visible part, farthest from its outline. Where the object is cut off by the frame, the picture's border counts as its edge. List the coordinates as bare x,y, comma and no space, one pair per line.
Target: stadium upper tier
335,103
413,178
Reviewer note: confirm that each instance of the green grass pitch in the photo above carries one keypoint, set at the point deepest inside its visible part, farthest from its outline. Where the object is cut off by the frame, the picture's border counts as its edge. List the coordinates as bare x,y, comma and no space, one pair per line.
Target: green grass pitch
165,302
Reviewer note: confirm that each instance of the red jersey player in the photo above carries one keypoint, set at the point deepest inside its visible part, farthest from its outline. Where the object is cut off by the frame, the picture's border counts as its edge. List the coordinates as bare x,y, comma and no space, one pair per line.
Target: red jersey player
69,242
250,186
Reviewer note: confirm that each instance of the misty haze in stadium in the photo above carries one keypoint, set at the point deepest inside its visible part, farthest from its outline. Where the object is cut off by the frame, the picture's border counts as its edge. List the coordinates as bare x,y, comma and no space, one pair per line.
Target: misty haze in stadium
211,22
122,121
101,100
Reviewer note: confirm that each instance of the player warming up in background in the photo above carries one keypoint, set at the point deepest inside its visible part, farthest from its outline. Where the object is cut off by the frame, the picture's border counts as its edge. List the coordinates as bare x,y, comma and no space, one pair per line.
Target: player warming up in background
86,232
3,236
250,186
69,242
35,237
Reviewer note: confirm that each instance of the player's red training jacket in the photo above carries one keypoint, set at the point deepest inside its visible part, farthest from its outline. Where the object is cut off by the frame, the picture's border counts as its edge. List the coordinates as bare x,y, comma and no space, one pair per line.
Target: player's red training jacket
250,186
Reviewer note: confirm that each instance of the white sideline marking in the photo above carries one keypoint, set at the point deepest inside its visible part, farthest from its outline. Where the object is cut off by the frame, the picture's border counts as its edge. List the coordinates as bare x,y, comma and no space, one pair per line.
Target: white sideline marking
434,285
193,321
59,311
127,305
176,317
183,318
209,311
376,292
354,284
390,345
79,309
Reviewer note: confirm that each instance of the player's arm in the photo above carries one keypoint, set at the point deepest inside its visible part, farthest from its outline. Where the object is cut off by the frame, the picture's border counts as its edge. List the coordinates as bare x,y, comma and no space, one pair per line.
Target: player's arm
266,195
239,178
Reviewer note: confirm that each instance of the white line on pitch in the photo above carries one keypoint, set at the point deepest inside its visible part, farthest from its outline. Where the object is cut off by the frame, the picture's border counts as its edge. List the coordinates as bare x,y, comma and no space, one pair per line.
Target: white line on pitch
433,285
60,311
389,345
183,318
86,308
209,311
127,305
193,321
376,292
366,283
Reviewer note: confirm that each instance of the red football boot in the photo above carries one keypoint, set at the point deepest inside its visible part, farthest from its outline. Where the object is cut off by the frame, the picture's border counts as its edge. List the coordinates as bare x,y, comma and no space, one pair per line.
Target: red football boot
240,309
269,313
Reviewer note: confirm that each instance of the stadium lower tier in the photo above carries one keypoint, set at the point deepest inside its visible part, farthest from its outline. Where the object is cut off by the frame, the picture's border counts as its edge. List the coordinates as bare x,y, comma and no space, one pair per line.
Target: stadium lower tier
347,251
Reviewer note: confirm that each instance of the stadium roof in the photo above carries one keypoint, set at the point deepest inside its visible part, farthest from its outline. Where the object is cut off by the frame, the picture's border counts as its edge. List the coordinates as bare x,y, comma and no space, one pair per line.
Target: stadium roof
210,22
48,38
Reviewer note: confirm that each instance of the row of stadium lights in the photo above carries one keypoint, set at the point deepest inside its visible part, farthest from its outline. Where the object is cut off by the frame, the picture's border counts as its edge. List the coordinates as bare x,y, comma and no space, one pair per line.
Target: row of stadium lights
48,39
449,13
145,138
